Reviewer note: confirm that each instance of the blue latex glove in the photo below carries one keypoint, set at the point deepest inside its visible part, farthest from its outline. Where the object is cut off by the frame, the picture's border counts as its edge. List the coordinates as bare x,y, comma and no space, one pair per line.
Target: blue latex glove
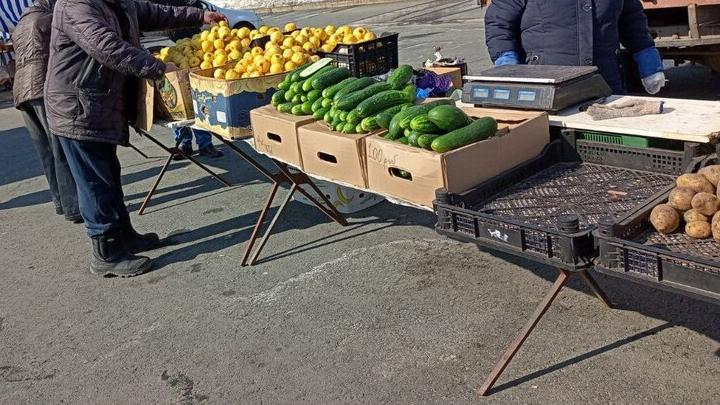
507,58
650,68
422,94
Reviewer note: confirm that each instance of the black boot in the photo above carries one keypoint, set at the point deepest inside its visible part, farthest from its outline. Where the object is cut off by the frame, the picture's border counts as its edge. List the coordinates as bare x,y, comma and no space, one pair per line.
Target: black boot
136,242
110,258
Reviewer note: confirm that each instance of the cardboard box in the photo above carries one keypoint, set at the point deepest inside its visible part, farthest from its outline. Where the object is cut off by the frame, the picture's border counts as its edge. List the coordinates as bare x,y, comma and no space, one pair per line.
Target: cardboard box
276,134
333,155
454,73
345,199
223,106
460,169
173,98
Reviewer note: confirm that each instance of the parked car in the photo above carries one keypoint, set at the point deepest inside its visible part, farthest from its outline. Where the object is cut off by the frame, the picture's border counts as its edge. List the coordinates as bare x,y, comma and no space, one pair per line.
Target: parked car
236,18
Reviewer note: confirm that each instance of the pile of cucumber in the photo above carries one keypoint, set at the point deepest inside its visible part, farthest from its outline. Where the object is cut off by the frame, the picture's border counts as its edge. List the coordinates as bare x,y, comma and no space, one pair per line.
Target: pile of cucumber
438,126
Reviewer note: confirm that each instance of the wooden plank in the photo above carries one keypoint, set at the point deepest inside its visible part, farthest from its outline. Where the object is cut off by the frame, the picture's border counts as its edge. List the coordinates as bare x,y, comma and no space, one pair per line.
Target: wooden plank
668,42
652,4
693,21
685,120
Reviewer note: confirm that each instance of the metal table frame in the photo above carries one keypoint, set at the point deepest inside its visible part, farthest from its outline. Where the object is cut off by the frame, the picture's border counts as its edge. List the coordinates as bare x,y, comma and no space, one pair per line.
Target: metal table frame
284,175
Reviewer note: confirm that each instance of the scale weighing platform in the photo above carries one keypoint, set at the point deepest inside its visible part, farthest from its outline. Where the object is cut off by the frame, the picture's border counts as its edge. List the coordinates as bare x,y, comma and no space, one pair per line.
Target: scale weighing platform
535,87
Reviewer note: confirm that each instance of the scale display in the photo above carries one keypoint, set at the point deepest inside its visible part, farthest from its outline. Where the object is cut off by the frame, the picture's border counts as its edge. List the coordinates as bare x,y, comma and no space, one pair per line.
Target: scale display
533,87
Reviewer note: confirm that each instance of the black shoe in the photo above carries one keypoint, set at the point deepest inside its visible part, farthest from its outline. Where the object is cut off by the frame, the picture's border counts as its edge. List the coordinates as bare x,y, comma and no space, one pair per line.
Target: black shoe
59,210
186,151
75,219
136,242
110,258
210,151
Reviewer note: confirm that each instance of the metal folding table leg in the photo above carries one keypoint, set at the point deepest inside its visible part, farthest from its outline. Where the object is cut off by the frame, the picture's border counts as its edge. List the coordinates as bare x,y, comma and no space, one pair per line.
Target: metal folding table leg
141,153
540,311
260,221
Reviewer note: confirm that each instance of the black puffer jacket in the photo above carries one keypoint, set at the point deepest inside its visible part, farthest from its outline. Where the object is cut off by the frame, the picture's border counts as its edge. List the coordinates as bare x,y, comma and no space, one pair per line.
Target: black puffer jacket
95,59
31,38
568,32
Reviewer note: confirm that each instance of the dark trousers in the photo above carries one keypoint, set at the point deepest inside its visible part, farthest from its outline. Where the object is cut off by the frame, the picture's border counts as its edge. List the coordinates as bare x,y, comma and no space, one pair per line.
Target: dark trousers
96,169
54,163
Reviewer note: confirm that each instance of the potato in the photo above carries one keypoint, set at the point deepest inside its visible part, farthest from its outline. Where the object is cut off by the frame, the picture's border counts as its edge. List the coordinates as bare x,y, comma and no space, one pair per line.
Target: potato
695,182
711,173
693,215
664,218
698,230
706,203
715,225
681,198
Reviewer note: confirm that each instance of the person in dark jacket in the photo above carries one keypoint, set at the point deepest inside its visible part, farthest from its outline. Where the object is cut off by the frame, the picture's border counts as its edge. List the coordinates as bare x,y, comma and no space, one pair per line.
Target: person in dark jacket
574,33
31,39
91,95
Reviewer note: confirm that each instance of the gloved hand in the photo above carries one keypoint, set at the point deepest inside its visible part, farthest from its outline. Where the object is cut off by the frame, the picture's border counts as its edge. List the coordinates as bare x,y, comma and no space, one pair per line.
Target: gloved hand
650,68
507,58
654,82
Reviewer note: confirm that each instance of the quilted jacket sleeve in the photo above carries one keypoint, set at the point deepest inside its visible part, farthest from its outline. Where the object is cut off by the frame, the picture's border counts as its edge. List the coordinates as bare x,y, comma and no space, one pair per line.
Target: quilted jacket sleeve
502,26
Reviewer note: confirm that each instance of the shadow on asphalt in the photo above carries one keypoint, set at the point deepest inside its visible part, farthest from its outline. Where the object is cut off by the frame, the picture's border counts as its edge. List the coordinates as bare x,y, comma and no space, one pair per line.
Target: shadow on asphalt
18,156
27,200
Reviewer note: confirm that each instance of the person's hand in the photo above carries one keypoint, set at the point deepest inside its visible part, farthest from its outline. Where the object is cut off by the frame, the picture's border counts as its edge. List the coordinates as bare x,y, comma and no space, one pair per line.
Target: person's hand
170,67
210,17
654,82
507,58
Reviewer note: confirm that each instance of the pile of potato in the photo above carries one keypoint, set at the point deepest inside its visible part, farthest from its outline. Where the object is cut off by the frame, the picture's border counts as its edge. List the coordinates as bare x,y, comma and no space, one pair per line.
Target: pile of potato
695,199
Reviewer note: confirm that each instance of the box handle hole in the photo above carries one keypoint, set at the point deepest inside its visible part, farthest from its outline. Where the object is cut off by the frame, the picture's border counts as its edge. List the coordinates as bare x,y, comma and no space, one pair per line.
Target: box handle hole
325,157
274,137
403,174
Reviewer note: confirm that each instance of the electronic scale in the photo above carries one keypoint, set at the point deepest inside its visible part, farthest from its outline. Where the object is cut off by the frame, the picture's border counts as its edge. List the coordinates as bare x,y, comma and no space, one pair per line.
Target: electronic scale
535,87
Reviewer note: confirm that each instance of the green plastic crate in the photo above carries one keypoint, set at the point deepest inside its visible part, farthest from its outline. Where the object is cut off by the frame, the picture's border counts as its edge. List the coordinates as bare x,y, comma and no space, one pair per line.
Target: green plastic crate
615,139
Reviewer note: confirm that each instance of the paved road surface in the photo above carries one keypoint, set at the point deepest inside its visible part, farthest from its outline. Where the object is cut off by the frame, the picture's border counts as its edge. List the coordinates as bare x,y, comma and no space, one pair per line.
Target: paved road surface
383,311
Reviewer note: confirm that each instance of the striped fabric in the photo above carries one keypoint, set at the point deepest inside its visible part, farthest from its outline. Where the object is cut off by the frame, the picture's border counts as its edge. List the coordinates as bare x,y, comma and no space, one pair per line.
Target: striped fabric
10,12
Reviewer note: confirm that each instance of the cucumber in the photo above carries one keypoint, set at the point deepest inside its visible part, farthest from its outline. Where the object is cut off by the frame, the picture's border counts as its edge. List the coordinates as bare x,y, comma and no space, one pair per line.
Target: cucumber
307,108
395,131
285,108
303,98
316,66
319,114
353,117
348,128
297,99
425,140
356,85
369,124
339,126
448,117
350,101
330,92
400,76
295,75
317,104
327,117
307,84
407,132
403,140
413,138
297,109
297,87
326,102
380,101
289,94
422,124
359,129
383,118
478,130
278,97
314,95
327,79
284,85
411,92
343,116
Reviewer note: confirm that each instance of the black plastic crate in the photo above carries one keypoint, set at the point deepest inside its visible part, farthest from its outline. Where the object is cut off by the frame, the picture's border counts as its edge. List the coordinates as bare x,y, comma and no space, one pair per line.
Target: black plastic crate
369,58
632,249
547,208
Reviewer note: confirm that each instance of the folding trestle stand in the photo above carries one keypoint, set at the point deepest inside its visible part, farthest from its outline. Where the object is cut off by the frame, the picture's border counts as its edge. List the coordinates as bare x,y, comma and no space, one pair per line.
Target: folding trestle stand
284,175
540,311
172,152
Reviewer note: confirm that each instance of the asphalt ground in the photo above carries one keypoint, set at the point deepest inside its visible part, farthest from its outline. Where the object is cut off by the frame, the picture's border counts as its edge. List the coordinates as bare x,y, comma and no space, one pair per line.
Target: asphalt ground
382,311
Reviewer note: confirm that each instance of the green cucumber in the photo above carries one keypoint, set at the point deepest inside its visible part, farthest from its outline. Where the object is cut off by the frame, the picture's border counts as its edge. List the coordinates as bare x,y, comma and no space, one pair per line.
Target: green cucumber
380,101
448,117
285,108
326,102
422,123
369,124
329,92
425,140
359,129
284,85
297,87
353,117
478,130
278,97
298,99
395,130
307,108
407,132
400,76
350,101
338,127
327,79
403,140
317,104
297,109
315,67
314,95
307,84
411,92
327,118
343,116
348,128
356,85
289,94
383,118
295,75
413,138
303,98
319,114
